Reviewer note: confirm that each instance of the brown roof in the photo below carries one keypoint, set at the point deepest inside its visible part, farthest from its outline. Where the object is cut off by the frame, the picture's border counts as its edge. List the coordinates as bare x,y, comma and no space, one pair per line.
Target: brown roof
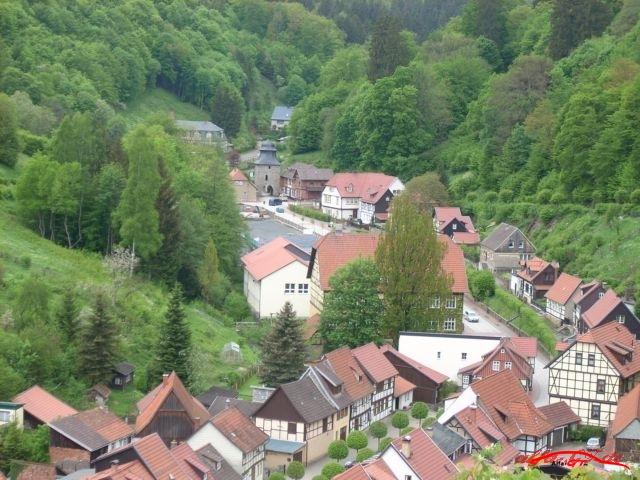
365,185
273,256
564,288
445,215
599,310
356,383
532,268
610,338
134,470
426,459
559,414
519,363
101,389
466,238
42,405
37,471
526,346
239,430
149,405
374,363
92,429
402,386
430,373
628,410
509,407
238,176
308,172
585,290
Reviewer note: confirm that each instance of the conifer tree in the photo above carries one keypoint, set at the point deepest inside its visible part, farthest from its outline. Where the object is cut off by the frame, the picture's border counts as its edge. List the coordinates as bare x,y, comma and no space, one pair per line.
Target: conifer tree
283,350
209,274
98,346
67,316
388,48
226,109
9,143
174,348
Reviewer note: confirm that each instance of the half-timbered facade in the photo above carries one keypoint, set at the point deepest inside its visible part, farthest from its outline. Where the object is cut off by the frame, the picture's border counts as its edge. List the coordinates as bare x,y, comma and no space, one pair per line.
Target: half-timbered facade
382,374
304,182
594,371
534,279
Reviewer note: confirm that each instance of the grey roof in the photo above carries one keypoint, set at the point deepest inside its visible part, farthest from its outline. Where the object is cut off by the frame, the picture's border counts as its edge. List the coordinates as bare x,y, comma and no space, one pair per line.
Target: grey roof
446,439
308,400
499,235
245,406
267,155
283,446
198,125
75,429
210,456
124,368
308,172
207,398
303,242
282,112
324,376
80,474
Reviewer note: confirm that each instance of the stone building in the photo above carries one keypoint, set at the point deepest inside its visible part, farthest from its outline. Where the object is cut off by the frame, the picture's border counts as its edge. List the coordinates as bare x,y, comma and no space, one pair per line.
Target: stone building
267,170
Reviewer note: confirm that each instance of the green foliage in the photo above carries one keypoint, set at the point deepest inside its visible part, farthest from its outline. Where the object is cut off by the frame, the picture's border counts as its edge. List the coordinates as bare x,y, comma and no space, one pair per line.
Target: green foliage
98,346
227,108
331,469
32,303
400,420
67,316
283,349
237,307
295,470
482,284
319,477
419,411
338,450
364,454
384,443
277,476
388,49
310,212
427,191
585,432
351,313
25,445
447,389
357,440
406,431
9,143
378,430
209,275
429,421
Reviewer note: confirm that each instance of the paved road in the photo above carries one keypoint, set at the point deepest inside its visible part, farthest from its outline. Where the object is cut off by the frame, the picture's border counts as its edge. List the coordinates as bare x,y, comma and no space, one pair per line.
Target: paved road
302,224
488,326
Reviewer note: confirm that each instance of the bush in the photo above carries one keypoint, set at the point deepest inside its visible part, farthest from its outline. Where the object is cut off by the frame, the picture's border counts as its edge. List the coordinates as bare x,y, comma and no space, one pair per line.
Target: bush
419,411
319,477
585,432
31,143
295,470
338,450
310,212
482,284
447,389
364,454
405,431
400,420
357,440
330,470
237,307
378,430
384,443
429,421
277,476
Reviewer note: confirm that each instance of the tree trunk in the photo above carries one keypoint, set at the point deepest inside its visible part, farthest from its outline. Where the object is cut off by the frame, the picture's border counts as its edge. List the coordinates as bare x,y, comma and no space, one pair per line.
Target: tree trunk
66,230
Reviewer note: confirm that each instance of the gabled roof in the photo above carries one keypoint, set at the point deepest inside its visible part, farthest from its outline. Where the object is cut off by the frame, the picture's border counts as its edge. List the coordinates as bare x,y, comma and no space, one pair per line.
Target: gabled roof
35,471
466,238
526,346
601,309
612,338
559,414
564,289
532,268
356,382
500,235
306,172
237,175
273,256
282,112
427,460
325,379
124,368
368,186
207,397
430,373
217,464
453,263
220,403
519,363
628,410
444,215
42,405
584,291
374,363
239,430
92,429
307,399
150,404
446,439
198,125
402,386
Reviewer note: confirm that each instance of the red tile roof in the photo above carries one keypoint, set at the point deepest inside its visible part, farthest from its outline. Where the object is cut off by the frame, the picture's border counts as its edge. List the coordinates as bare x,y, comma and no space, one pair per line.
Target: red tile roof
37,471
628,410
526,346
599,310
238,176
374,363
134,470
402,386
532,268
453,264
559,414
42,405
271,257
239,430
149,405
520,366
349,371
565,287
311,326
561,346
437,377
444,215
93,429
426,459
365,185
612,338
466,238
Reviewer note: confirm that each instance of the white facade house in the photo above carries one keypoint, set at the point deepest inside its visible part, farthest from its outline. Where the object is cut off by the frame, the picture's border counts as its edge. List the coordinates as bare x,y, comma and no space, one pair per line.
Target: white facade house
274,274
11,412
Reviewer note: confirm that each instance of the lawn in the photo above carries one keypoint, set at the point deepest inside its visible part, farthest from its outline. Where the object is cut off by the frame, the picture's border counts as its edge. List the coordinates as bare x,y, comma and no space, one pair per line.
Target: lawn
318,158
157,101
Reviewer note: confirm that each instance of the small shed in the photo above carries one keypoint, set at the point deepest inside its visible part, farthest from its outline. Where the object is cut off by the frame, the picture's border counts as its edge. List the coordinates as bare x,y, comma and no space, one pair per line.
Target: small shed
99,393
231,353
122,375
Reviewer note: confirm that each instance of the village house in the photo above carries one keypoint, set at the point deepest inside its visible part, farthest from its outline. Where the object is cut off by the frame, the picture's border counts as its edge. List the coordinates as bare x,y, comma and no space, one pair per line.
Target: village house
207,397
237,439
505,356
78,440
595,371
402,393
609,308
170,411
298,412
281,117
123,373
623,435
220,403
560,298
451,353
382,375
274,274
363,196
449,221
202,133
304,182
585,297
504,248
266,170
245,190
99,394
534,279
11,412
425,380
40,407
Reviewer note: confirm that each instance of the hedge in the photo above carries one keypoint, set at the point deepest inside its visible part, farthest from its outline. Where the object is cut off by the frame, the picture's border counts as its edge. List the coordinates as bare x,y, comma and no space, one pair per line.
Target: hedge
310,212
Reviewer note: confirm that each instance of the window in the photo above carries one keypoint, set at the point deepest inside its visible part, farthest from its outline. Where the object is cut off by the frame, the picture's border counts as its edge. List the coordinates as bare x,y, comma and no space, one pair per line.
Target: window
591,360
620,318
495,365
521,245
507,365
511,244
292,427
451,302
266,177
595,411
454,226
465,380
435,303
5,416
601,385
464,356
303,288
289,288
327,198
325,424
118,381
450,324
502,350
439,355
407,477
600,294
578,358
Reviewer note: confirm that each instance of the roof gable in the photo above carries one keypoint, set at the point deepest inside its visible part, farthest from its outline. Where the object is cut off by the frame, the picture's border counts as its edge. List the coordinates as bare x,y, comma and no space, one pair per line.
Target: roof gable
430,373
356,382
564,288
426,458
601,309
368,186
42,405
374,363
92,429
239,430
617,344
273,256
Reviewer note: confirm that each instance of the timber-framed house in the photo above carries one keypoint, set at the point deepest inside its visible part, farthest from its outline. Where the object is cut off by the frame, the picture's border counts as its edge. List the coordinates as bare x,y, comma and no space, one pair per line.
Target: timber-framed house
595,371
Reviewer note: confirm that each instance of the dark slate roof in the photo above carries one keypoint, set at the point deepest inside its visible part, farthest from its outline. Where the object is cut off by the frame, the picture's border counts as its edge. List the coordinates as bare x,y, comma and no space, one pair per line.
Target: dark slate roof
245,406
339,400
302,241
282,112
210,456
308,172
71,427
124,368
207,398
446,439
499,235
267,155
307,399
200,126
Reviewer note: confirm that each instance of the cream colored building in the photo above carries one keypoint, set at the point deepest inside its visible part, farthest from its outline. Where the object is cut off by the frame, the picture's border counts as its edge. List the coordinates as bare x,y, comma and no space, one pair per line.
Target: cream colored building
11,412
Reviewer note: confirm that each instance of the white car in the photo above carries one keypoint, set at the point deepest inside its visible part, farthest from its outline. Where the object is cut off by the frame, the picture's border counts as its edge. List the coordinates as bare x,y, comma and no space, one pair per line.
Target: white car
593,443
471,317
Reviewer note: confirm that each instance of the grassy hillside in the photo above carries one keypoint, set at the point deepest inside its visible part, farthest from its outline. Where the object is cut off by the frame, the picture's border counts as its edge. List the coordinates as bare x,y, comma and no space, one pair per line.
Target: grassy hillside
159,101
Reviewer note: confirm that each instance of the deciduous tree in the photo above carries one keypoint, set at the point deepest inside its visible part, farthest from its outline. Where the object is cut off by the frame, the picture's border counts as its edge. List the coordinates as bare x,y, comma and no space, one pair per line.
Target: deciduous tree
427,191
9,144
338,450
419,411
357,440
400,420
378,430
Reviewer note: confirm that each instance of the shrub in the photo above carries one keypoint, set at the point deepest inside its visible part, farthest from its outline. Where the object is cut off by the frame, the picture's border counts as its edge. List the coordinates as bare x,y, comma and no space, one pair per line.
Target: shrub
319,477
447,389
585,432
31,143
25,261
400,420
364,454
384,443
330,470
635,196
419,411
277,476
482,284
295,470
429,421
338,450
357,440
378,430
405,431
310,212
547,213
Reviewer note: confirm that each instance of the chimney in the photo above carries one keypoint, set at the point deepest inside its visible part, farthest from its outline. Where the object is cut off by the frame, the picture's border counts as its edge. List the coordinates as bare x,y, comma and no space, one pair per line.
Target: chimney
114,465
174,444
165,378
406,446
227,403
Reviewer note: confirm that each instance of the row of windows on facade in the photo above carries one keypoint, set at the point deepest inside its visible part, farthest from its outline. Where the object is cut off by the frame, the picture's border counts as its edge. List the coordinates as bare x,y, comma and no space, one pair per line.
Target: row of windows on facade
450,303
326,199
291,288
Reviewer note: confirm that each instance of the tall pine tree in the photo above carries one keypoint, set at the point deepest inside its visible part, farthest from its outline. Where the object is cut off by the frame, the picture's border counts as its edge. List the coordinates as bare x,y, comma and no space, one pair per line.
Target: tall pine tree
67,316
283,350
227,106
388,48
99,343
174,348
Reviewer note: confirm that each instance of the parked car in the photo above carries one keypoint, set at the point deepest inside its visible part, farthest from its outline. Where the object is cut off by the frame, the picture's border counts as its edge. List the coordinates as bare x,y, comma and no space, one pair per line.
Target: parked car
594,443
471,317
279,210
274,202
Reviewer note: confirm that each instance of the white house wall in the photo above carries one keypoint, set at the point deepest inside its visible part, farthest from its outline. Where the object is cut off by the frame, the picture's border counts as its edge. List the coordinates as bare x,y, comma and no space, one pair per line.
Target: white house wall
465,399
398,465
209,434
269,293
